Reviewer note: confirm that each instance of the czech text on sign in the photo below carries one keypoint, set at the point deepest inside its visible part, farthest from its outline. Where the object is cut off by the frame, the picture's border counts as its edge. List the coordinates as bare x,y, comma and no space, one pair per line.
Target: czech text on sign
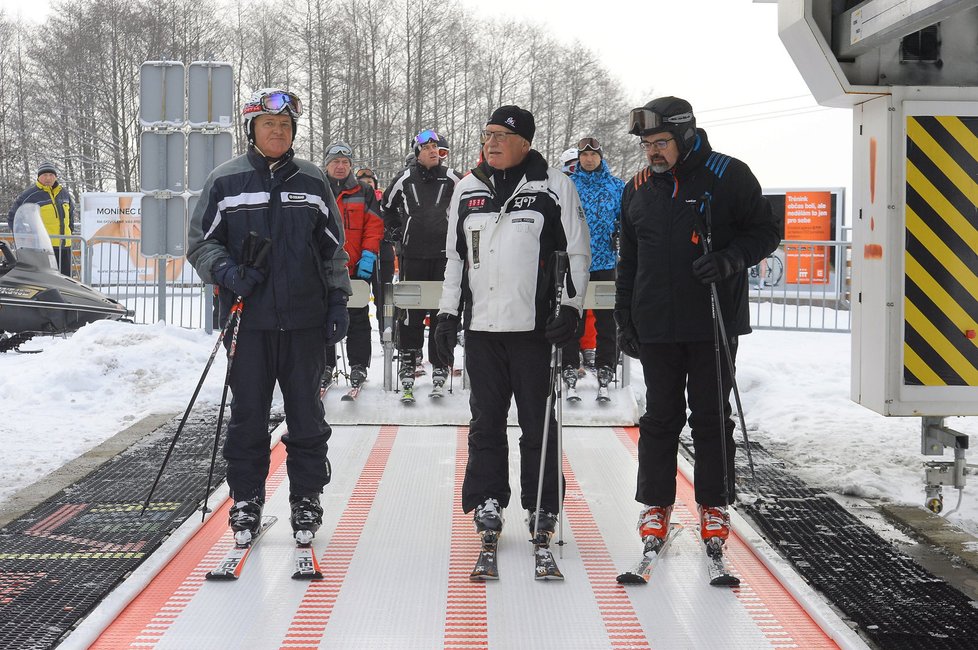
807,216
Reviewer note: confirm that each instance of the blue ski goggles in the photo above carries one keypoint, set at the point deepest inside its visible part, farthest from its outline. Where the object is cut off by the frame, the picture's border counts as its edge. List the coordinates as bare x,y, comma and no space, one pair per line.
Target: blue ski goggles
425,137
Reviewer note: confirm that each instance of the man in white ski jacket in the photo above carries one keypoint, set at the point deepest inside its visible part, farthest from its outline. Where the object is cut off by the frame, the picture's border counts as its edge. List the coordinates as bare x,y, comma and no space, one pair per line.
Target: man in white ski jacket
507,220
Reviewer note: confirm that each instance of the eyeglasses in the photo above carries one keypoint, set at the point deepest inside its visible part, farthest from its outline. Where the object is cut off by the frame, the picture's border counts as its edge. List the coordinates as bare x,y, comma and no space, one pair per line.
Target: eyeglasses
339,150
641,120
587,144
656,144
425,137
500,136
279,101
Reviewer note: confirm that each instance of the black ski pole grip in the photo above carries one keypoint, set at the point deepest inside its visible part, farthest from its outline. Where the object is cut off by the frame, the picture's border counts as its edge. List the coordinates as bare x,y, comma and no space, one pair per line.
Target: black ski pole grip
560,268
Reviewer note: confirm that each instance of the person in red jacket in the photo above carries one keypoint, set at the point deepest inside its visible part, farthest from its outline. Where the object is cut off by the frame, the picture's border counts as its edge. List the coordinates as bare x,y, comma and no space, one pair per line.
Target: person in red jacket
364,230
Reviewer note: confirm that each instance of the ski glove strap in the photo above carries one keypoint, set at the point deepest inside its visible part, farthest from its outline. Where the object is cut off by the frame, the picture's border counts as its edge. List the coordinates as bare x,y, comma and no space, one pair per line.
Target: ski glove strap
562,328
446,337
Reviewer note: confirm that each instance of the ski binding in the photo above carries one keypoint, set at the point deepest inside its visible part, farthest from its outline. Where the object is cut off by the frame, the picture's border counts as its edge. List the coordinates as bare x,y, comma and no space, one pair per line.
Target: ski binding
485,566
231,566
654,548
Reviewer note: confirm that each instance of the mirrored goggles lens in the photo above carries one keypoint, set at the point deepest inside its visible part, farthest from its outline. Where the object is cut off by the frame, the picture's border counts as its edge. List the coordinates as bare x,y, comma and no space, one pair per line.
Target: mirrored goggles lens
589,144
365,173
339,150
442,152
425,137
278,102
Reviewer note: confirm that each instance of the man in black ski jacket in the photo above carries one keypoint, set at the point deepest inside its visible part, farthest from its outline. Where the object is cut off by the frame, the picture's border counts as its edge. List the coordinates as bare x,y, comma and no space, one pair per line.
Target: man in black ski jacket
663,304
416,205
294,305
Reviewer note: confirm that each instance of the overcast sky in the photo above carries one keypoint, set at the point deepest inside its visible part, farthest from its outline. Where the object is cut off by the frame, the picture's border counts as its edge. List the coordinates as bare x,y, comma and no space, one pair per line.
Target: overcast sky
724,56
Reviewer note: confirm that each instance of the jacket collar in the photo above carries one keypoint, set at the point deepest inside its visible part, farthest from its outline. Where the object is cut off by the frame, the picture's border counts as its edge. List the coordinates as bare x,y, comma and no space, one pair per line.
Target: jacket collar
278,167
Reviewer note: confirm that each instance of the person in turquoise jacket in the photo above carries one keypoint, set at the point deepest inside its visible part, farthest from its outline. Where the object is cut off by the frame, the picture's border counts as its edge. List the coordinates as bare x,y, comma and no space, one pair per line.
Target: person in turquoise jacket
600,194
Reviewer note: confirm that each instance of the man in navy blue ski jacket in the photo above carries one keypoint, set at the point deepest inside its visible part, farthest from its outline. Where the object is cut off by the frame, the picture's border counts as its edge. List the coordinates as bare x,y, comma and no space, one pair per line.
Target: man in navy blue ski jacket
294,305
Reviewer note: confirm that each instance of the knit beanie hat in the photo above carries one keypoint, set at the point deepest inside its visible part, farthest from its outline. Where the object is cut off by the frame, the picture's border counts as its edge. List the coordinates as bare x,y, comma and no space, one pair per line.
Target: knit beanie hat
46,167
515,119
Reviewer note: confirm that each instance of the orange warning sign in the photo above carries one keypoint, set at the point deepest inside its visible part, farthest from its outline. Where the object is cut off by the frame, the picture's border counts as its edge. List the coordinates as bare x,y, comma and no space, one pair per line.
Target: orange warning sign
807,217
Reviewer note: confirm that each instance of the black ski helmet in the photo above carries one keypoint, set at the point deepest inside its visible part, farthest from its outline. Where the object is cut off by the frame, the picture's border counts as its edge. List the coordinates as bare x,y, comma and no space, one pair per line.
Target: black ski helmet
670,114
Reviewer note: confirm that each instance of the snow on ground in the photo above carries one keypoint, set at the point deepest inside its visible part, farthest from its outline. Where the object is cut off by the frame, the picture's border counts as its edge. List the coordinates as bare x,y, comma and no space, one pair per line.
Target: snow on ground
78,391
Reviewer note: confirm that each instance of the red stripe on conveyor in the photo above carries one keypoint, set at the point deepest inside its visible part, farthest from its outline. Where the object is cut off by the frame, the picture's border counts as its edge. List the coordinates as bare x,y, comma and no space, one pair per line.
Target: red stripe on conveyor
148,617
779,616
620,621
310,621
466,614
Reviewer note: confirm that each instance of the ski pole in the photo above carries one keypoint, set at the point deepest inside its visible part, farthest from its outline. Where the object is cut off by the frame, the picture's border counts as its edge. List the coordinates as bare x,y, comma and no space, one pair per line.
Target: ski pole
707,243
186,414
256,250
560,271
235,315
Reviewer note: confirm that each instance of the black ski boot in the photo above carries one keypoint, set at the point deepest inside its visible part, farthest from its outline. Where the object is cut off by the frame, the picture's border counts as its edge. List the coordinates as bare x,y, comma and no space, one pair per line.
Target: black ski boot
244,517
548,525
358,375
488,516
307,517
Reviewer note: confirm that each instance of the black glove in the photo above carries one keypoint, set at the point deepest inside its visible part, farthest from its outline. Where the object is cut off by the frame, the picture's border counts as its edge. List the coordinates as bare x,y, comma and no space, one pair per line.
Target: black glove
717,266
446,337
240,279
627,336
337,317
562,328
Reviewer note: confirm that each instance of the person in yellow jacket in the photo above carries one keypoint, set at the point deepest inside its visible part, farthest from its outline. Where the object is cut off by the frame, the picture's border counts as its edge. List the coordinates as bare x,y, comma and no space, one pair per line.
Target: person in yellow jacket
57,211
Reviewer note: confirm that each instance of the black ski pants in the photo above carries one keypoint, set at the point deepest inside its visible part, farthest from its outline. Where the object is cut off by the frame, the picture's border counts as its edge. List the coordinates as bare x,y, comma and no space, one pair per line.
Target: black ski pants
501,368
673,372
357,339
411,327
293,358
606,354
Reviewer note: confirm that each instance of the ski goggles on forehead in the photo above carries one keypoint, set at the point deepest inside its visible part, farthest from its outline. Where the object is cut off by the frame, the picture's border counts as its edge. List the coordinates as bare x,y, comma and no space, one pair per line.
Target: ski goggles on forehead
643,119
339,150
365,173
281,101
589,144
425,137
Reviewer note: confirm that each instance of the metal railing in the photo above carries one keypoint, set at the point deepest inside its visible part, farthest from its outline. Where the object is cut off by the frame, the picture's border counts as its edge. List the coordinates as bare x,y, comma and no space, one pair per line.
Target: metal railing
804,285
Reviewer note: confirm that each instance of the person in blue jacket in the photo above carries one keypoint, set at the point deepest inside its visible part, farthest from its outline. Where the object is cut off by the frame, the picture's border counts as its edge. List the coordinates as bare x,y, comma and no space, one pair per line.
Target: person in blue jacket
600,194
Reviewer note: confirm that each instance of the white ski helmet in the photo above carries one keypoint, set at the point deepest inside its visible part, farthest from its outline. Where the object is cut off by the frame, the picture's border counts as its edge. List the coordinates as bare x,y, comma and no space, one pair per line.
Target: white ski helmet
568,161
270,101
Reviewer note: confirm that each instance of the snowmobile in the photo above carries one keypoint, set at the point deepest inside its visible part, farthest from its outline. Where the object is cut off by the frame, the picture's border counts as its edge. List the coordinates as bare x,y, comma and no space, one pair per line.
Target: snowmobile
34,297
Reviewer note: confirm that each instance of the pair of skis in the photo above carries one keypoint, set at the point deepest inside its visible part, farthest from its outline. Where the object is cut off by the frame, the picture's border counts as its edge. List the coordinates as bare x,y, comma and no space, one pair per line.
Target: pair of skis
716,564
231,566
544,565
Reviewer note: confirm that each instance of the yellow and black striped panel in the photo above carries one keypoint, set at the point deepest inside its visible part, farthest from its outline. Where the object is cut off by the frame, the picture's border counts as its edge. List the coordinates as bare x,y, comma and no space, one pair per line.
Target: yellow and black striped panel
941,281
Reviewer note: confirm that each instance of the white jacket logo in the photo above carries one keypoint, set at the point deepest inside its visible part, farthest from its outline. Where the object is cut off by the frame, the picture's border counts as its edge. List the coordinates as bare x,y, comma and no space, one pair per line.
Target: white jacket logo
521,202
